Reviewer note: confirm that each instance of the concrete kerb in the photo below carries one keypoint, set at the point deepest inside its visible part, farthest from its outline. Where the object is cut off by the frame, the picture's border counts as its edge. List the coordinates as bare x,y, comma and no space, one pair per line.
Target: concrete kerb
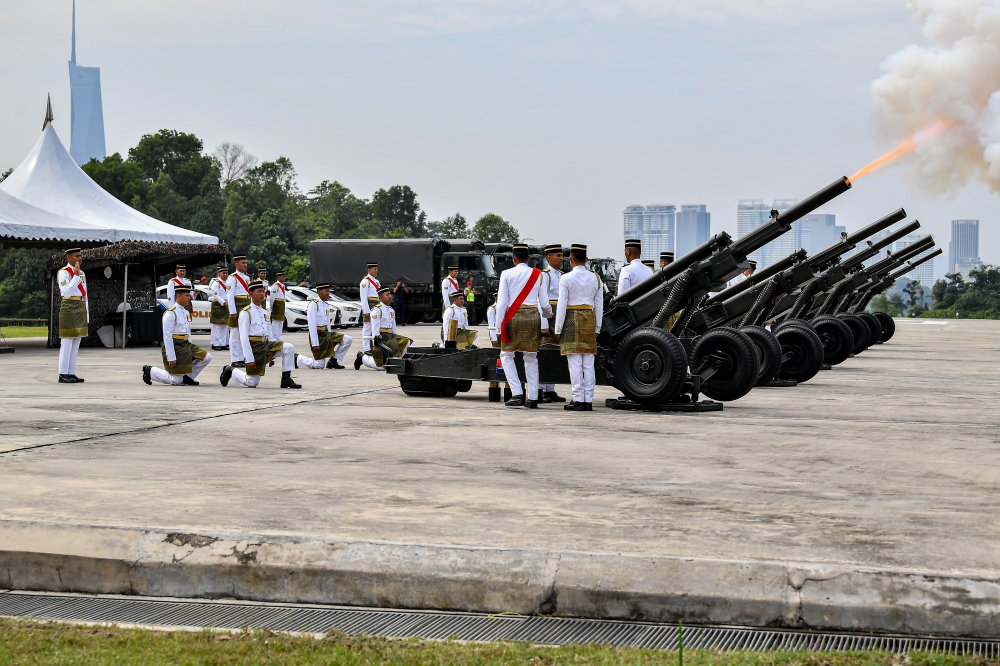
154,562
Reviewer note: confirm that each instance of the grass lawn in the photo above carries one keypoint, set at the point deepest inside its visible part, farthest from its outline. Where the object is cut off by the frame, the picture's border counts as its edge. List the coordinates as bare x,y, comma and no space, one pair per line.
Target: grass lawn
25,331
30,642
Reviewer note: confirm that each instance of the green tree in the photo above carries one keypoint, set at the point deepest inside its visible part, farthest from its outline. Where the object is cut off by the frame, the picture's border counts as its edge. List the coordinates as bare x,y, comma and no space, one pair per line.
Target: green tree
915,293
123,180
453,226
491,228
178,155
397,213
23,285
3,176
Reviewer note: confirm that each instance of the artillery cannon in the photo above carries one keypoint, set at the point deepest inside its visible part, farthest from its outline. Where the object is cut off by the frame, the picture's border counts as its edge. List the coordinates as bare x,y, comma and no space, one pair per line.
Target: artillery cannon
635,352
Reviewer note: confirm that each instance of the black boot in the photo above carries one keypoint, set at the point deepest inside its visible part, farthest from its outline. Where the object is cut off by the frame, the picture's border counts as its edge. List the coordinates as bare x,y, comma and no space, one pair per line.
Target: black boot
334,364
187,381
357,360
588,406
287,381
66,379
78,380
516,401
552,396
531,404
227,374
147,374
506,393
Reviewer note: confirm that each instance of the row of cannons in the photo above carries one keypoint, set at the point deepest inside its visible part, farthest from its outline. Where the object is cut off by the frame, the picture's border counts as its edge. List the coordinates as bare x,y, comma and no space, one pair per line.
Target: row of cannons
718,345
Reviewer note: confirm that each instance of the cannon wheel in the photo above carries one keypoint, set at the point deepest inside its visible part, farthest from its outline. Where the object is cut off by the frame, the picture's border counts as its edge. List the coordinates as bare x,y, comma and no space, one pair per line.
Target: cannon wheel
735,355
429,386
838,340
650,366
862,334
768,352
801,349
888,325
874,325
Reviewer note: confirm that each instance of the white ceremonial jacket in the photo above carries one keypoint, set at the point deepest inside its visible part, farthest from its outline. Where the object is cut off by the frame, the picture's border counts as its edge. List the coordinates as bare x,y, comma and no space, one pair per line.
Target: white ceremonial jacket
237,285
383,319
176,321
461,315
369,289
73,283
254,322
217,289
491,321
550,288
276,292
632,274
580,287
318,314
512,281
449,286
173,284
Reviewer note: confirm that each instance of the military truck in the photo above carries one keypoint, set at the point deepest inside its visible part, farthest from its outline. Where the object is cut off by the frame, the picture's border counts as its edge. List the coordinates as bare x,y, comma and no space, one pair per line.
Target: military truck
421,263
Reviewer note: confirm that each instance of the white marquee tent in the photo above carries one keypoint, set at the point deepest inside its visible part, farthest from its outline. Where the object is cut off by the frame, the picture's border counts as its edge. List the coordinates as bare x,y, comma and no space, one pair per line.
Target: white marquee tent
50,179
24,222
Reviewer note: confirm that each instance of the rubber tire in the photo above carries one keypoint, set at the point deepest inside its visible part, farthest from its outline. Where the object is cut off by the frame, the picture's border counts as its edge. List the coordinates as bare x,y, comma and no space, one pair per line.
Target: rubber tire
463,385
874,325
806,347
742,369
494,394
859,328
429,386
888,325
837,337
659,347
768,352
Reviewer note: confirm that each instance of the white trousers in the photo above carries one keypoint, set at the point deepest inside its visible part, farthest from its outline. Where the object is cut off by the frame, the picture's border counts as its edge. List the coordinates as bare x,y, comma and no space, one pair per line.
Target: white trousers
69,348
548,388
318,364
276,330
287,354
366,333
581,374
220,335
235,346
369,362
161,376
530,372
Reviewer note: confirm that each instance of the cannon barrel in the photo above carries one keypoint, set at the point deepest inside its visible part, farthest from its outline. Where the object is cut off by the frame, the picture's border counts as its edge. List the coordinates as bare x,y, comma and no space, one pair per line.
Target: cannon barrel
873,249
910,265
782,222
717,242
821,259
877,226
880,268
759,277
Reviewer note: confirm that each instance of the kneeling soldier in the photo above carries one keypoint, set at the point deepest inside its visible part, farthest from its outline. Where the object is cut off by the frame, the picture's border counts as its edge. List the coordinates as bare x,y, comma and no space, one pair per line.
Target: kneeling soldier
182,360
384,332
578,321
455,328
325,342
258,348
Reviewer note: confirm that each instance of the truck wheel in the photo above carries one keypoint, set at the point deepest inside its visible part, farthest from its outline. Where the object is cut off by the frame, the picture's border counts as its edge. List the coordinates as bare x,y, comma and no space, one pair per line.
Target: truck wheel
838,340
888,325
430,317
801,351
768,352
429,386
650,366
859,328
413,317
494,394
463,385
874,326
734,355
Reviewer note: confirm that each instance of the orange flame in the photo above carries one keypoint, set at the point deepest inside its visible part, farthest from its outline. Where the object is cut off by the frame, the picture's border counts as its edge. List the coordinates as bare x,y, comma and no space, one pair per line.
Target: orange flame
900,150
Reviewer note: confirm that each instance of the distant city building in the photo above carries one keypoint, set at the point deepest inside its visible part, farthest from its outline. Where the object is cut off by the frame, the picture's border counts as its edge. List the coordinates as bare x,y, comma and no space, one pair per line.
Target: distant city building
87,117
750,214
817,231
925,272
963,251
654,225
785,244
693,227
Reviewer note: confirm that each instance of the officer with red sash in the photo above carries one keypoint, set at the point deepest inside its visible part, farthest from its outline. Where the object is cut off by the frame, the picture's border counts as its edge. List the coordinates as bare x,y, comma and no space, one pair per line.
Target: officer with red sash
74,315
237,298
519,311
449,285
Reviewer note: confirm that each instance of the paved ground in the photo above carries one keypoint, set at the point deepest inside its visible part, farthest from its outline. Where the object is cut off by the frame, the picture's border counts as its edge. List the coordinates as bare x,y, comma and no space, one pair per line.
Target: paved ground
890,460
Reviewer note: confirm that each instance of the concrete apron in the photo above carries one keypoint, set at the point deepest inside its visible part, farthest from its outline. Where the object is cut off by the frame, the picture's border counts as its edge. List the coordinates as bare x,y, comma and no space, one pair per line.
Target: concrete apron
110,560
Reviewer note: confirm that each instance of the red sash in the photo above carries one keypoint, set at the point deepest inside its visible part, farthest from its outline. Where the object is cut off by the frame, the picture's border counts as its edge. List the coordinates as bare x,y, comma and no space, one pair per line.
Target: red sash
179,282
512,310
373,282
453,283
72,274
281,287
242,282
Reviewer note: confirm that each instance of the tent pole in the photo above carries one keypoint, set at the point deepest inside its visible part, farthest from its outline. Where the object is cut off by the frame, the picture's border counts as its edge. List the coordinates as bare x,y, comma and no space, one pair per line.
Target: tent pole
124,306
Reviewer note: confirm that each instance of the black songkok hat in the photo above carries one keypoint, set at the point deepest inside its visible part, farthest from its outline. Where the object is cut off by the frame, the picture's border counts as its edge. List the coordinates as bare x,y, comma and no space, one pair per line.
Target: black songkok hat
239,257
753,263
384,290
578,247
321,285
647,262
222,268
520,247
72,250
634,242
180,266
279,274
372,264
453,268
261,267
457,294
666,255
182,290
255,284
549,249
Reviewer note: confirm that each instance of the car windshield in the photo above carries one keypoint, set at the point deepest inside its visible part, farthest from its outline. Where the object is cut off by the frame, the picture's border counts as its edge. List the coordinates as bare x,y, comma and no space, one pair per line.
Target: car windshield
338,296
296,295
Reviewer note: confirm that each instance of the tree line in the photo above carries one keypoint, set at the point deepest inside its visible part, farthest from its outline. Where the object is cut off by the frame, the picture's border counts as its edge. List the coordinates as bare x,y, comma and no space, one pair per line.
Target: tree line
956,296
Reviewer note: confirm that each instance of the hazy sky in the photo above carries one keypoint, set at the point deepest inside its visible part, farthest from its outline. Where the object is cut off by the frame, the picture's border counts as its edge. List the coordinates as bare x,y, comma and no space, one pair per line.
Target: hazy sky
554,114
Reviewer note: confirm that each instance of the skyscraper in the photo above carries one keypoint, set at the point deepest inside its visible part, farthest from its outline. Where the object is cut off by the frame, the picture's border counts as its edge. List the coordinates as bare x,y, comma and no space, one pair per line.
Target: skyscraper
750,214
693,227
87,117
817,231
785,244
963,251
653,225
925,272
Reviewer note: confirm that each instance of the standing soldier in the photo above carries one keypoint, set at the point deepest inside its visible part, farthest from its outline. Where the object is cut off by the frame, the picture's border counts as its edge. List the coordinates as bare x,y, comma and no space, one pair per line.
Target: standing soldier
182,360
262,278
178,280
492,323
519,310
550,292
237,298
325,343
384,327
455,327
369,299
745,274
578,321
259,349
634,271
449,285
74,315
220,309
276,304
666,258
648,263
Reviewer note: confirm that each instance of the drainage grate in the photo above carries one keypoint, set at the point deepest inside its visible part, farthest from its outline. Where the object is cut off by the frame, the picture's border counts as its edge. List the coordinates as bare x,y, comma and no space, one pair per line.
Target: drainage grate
463,626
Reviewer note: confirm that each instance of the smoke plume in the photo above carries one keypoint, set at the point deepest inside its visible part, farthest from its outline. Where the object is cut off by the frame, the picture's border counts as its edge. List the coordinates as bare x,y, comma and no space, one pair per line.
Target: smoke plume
951,86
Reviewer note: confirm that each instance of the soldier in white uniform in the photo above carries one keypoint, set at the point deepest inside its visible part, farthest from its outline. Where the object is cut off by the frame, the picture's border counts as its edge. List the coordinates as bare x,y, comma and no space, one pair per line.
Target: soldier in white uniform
455,326
519,311
237,298
744,275
74,315
384,325
449,285
634,271
325,342
276,304
578,321
262,278
220,309
550,292
178,280
666,258
259,349
369,299
182,360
